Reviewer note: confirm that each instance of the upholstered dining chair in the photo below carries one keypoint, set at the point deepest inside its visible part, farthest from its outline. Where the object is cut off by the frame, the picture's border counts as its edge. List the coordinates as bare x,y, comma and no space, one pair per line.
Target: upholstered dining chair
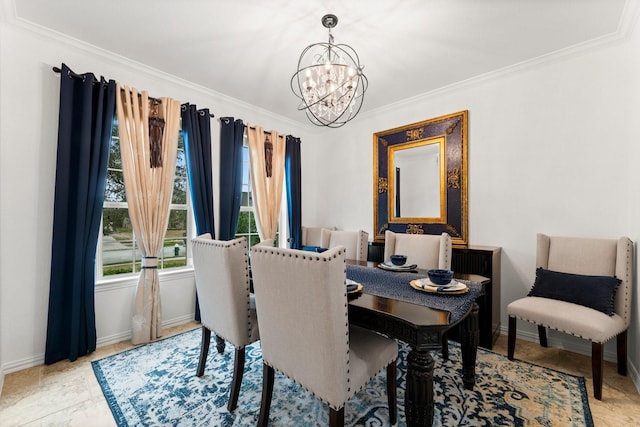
426,250
226,307
583,288
356,243
315,236
305,333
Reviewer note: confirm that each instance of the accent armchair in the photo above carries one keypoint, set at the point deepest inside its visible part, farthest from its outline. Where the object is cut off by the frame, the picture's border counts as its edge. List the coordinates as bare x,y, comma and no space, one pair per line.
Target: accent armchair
322,352
583,288
426,250
226,307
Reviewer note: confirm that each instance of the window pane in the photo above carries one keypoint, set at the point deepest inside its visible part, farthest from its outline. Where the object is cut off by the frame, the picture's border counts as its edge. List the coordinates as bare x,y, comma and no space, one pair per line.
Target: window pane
180,182
179,196
114,190
246,180
115,160
244,226
174,253
118,248
254,227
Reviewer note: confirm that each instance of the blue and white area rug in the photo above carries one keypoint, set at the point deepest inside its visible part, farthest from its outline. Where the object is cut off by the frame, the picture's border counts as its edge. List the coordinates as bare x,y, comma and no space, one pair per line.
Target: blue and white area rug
155,385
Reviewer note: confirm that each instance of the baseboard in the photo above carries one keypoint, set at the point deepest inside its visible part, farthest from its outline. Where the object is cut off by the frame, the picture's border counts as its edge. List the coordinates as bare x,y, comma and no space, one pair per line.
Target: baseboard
37,360
585,349
126,335
635,376
27,362
177,321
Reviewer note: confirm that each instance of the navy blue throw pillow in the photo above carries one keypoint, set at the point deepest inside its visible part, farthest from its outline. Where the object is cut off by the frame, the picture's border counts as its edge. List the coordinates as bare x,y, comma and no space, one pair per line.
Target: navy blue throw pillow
597,292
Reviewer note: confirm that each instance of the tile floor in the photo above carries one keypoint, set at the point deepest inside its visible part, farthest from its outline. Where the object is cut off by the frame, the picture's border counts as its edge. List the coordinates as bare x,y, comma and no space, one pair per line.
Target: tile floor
67,394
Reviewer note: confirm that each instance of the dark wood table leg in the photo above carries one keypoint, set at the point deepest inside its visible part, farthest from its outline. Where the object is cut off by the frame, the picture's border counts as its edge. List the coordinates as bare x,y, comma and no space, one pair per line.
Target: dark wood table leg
418,406
469,337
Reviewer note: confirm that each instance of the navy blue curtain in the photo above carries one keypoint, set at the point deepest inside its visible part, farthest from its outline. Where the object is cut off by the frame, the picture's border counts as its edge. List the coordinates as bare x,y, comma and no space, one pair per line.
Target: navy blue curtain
231,136
84,133
196,128
294,190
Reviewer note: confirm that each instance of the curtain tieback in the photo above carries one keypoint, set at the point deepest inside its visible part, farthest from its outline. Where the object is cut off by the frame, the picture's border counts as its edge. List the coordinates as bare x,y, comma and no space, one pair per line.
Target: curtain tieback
150,262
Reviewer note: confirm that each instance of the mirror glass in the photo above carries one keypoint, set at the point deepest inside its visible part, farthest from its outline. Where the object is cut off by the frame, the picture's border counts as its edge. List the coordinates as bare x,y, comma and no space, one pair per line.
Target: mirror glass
420,178
417,181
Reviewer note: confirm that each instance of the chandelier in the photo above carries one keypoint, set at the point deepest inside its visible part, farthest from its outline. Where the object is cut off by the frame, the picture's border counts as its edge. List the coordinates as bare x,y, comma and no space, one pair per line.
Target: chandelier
329,81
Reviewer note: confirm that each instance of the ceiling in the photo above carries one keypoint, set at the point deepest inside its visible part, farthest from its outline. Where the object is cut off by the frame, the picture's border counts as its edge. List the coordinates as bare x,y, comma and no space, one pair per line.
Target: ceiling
249,49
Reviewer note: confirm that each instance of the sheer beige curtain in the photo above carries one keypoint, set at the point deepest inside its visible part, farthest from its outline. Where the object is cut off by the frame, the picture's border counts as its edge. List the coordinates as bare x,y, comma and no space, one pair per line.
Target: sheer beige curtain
266,156
149,190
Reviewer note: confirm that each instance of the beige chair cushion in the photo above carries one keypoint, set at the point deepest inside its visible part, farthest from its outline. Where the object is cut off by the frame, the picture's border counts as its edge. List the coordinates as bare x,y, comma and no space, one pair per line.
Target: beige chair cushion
569,318
356,243
368,354
594,257
222,281
426,250
304,326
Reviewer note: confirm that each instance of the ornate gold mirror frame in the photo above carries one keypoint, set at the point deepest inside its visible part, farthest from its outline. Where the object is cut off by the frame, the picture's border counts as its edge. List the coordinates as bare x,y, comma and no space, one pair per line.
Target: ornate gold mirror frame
436,172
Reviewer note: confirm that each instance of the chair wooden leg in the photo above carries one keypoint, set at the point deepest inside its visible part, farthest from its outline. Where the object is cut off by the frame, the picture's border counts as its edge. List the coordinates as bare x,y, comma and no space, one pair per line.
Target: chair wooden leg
622,353
238,371
542,335
392,397
204,350
336,417
267,391
220,344
597,356
511,338
445,346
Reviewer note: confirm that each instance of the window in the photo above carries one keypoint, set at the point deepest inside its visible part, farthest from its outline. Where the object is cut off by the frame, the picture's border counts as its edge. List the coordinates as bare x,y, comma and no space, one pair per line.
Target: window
118,252
247,221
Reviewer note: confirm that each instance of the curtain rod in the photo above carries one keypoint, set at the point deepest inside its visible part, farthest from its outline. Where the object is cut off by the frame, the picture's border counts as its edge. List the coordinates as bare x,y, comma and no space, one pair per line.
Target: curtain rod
268,132
79,76
245,126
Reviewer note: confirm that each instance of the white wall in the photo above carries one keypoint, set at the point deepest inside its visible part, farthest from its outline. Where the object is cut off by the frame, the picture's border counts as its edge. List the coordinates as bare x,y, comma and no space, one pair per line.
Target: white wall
553,148
28,135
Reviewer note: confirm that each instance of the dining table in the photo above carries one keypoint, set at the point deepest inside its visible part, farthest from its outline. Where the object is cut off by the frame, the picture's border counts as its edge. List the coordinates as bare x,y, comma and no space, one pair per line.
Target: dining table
388,304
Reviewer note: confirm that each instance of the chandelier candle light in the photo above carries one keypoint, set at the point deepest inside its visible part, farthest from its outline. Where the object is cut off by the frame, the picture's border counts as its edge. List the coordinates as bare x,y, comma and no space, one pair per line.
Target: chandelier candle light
329,81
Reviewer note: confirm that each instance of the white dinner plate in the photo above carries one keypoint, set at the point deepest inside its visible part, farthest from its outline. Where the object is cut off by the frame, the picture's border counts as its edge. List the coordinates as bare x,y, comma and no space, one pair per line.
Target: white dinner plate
391,267
454,287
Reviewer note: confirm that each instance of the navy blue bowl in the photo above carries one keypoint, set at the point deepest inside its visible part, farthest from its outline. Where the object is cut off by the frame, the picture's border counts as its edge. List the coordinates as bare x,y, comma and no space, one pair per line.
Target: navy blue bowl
398,259
440,277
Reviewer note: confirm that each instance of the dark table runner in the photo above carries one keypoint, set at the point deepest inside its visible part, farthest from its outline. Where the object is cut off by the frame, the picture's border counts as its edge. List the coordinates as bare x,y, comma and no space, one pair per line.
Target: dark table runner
391,284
